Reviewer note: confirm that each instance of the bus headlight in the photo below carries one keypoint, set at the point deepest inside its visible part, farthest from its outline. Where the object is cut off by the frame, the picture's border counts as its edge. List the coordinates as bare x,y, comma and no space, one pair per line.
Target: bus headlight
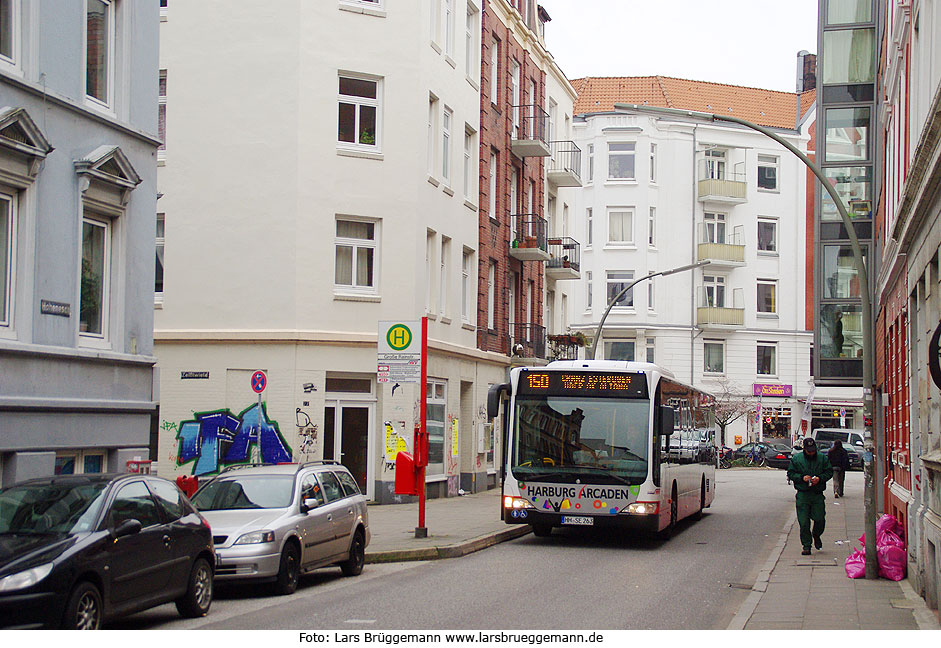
510,502
643,508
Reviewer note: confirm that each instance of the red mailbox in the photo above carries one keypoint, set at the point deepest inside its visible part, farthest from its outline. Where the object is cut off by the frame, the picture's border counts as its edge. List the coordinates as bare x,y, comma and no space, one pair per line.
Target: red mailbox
406,482
188,484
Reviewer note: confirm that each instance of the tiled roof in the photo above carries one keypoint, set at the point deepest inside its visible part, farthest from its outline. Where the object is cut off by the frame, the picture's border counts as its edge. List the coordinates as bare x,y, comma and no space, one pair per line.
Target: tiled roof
765,107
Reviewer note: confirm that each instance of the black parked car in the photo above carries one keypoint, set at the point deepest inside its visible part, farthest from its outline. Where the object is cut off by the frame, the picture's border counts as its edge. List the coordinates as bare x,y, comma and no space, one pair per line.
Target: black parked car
78,550
776,455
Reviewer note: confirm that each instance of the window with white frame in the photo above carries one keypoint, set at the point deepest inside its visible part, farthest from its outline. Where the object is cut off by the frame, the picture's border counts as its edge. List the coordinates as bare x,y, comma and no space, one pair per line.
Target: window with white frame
471,48
435,21
767,235
619,350
356,245
767,359
515,97
492,198
621,160
95,295
651,348
620,225
359,112
588,226
618,280
653,162
436,402
162,112
715,164
768,172
429,269
9,33
715,227
651,305
160,245
591,163
767,296
491,295
470,164
79,462
467,286
7,248
449,27
444,263
99,51
588,290
494,70
713,355
432,132
446,120
714,291
652,227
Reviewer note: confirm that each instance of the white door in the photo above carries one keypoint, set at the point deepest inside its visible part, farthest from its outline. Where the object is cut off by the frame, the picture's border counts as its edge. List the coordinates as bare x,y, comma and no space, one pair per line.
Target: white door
346,426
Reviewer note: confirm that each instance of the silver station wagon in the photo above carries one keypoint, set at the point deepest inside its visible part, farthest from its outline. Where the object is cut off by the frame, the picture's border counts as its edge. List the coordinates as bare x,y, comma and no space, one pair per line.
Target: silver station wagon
276,522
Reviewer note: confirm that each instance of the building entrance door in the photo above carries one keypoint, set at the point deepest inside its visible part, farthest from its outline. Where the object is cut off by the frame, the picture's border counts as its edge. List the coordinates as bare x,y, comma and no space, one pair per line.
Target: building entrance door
346,438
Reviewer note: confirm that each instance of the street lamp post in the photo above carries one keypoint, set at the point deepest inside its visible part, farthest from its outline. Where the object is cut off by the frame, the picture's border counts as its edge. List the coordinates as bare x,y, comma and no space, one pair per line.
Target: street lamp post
614,300
872,565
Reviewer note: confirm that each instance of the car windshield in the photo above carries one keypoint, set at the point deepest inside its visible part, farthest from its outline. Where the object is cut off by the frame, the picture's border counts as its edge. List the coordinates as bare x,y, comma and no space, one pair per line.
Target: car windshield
246,492
51,508
780,447
563,439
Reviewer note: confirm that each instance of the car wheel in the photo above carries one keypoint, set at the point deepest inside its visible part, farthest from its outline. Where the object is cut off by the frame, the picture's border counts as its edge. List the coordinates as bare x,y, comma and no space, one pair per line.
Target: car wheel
542,530
195,603
289,572
354,565
84,610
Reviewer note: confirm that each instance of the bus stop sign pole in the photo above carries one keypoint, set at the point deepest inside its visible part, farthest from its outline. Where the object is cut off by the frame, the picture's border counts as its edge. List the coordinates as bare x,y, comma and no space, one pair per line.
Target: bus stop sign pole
421,442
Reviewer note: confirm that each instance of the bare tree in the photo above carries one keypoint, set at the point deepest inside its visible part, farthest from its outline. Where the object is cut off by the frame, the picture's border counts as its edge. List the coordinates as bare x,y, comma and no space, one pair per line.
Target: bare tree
731,405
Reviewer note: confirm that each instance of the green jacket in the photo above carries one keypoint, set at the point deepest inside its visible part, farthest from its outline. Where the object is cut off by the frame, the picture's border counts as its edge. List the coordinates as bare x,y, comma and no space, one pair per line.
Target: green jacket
802,465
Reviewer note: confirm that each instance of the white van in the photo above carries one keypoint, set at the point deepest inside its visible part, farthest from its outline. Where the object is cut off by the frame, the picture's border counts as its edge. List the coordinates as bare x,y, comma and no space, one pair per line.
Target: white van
843,435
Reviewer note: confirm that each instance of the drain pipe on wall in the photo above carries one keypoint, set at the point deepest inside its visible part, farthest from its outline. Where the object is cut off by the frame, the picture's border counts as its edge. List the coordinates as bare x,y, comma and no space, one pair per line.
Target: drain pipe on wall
692,307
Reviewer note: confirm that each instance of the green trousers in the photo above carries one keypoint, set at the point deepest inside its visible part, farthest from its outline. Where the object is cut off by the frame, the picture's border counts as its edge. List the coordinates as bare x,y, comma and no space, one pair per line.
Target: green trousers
811,506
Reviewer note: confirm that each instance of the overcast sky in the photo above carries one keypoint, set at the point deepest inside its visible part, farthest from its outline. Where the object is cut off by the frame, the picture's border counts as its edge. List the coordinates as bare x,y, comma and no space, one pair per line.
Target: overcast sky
741,42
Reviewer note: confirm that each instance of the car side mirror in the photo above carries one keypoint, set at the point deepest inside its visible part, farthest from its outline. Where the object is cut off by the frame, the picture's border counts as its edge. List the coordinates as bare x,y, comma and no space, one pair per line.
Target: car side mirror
859,443
309,504
126,528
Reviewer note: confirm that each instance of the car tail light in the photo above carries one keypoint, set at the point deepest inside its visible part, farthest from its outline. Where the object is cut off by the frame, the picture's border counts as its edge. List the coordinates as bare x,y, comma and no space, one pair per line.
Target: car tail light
780,456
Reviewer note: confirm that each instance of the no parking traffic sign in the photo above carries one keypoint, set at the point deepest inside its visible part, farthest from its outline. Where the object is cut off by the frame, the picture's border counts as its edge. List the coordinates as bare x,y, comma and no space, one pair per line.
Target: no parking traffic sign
259,382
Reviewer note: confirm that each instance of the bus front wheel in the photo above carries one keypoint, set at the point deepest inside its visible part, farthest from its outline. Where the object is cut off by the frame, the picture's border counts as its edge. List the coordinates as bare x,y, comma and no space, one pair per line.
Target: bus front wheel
542,530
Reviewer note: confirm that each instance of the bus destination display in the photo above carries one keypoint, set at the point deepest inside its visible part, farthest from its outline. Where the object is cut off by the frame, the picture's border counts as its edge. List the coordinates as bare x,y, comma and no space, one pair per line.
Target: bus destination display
597,384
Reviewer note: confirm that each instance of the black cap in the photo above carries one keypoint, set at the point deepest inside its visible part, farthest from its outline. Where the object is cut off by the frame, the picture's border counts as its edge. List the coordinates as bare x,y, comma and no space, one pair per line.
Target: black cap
809,443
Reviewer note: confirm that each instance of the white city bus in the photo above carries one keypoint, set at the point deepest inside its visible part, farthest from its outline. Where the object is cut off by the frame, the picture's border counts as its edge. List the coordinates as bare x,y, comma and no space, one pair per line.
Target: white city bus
605,444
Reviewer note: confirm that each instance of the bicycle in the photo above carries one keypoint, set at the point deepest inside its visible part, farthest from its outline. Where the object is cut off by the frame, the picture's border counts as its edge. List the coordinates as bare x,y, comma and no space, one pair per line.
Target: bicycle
755,458
725,458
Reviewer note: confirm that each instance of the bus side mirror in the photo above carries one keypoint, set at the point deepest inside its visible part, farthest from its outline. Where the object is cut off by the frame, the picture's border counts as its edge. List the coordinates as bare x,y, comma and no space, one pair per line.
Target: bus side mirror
494,395
666,420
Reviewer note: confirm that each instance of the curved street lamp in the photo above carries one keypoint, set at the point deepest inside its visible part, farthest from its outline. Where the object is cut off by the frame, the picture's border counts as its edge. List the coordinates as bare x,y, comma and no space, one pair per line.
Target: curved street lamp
872,565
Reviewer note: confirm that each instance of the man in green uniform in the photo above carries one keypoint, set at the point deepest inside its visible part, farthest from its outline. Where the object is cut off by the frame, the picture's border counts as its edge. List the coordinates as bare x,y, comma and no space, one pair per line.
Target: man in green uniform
809,471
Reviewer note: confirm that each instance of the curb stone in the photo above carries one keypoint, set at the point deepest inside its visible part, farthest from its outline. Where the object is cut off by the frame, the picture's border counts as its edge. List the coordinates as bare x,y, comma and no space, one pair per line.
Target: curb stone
448,551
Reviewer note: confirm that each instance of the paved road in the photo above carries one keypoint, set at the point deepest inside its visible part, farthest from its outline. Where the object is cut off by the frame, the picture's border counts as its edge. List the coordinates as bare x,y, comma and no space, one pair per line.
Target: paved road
573,580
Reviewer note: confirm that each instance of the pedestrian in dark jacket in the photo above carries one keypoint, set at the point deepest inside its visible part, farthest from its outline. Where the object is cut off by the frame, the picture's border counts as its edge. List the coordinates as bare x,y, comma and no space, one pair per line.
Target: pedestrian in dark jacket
840,460
809,471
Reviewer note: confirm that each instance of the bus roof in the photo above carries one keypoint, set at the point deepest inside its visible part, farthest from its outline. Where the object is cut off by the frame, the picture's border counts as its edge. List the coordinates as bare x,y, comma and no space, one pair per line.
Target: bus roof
610,365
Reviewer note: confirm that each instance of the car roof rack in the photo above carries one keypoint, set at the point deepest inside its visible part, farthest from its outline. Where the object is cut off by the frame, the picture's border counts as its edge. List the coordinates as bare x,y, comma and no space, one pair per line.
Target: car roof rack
319,462
232,467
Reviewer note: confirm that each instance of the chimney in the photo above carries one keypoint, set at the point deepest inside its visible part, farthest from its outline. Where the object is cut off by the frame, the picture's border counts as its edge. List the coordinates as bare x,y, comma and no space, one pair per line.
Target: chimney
806,71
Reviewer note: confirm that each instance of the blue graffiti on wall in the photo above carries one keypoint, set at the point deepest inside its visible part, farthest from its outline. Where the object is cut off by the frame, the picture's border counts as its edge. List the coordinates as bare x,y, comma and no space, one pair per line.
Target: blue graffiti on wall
218,438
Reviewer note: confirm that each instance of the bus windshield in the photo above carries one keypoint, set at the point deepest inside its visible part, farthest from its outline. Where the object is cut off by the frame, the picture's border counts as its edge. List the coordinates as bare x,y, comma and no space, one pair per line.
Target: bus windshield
564,439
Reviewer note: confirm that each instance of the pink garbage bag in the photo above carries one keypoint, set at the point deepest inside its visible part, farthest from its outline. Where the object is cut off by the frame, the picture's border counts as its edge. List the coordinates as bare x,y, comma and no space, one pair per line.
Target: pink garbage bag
856,564
889,539
886,524
891,562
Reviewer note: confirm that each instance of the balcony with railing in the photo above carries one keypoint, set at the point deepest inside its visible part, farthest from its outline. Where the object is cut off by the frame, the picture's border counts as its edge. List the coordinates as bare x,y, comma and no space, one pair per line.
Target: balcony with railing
722,250
527,340
530,131
565,258
713,311
528,240
564,164
718,184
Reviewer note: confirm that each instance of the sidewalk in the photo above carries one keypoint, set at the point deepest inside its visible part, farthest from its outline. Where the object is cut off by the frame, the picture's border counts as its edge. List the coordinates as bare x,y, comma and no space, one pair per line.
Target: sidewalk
456,527
795,592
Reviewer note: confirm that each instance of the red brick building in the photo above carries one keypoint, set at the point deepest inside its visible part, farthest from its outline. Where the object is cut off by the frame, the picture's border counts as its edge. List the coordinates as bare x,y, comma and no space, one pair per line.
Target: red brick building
513,146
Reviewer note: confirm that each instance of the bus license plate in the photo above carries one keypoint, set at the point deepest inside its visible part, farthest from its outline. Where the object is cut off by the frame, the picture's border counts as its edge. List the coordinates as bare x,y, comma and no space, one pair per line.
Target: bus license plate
578,520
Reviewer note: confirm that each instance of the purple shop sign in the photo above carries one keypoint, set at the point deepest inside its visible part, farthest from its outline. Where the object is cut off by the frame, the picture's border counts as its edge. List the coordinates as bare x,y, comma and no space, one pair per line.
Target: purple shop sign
781,391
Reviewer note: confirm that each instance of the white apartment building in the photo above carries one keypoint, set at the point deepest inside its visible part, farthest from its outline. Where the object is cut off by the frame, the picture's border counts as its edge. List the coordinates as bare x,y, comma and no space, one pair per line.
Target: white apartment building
665,191
320,175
